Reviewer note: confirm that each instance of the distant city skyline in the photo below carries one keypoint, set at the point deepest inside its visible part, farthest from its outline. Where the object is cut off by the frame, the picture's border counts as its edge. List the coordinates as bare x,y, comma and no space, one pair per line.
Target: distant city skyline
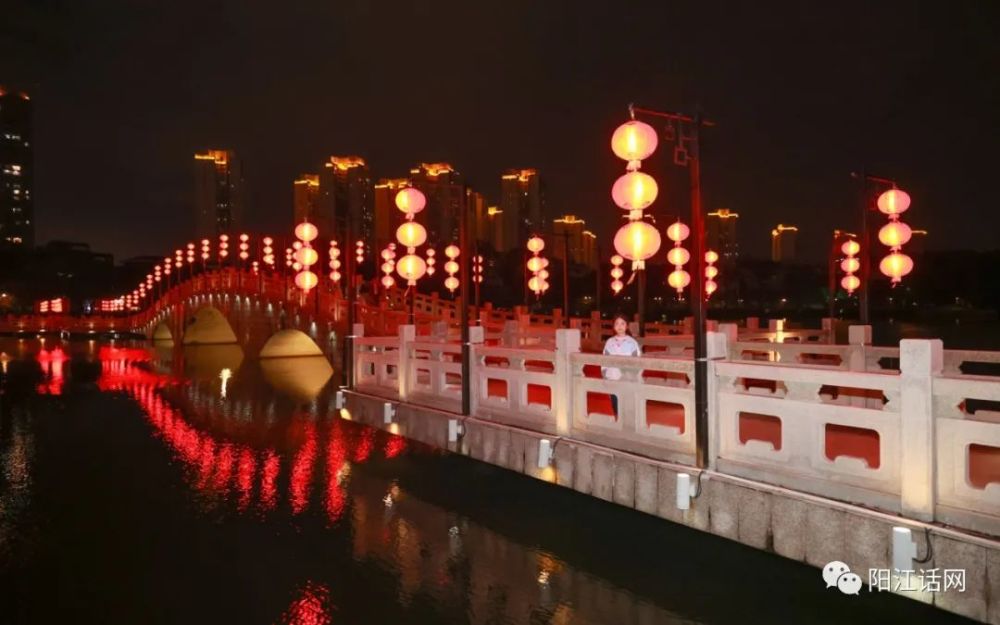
796,109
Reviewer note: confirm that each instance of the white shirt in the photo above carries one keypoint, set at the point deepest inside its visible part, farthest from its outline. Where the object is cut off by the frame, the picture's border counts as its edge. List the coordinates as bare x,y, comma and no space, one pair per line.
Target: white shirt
619,346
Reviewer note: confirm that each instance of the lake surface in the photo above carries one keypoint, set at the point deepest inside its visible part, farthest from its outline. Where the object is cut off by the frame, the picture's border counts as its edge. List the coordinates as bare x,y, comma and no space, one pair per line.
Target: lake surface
142,485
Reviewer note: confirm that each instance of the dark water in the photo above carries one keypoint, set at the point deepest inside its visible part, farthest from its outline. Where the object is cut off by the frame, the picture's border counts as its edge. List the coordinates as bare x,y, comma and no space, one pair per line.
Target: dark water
134,490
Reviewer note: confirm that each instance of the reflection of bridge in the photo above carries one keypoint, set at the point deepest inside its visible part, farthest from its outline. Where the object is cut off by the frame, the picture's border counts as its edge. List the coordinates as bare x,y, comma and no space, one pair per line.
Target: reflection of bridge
816,450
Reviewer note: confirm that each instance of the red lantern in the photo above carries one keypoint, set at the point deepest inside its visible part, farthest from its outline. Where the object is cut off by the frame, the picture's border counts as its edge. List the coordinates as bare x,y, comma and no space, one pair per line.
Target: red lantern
634,141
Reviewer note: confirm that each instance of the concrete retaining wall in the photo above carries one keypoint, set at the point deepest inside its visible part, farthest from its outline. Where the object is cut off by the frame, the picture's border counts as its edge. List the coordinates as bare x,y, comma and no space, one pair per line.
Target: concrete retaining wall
795,525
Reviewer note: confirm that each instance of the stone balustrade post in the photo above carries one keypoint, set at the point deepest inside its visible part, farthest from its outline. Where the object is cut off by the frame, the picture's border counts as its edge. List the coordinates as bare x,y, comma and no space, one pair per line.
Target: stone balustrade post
688,325
509,338
567,343
829,327
858,339
716,348
407,334
775,325
477,337
919,361
753,324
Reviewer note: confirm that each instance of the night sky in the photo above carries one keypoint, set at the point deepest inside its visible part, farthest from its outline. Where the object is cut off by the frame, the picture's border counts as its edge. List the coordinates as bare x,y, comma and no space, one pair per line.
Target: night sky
803,93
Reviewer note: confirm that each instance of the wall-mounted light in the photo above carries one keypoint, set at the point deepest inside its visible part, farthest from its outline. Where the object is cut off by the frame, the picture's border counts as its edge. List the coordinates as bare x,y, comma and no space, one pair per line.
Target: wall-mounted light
455,429
388,412
340,401
545,449
686,491
904,549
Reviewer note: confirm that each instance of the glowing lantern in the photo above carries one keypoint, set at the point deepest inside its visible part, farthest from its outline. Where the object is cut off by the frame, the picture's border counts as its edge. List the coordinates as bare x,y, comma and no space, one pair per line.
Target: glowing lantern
710,287
634,141
850,247
617,272
534,264
678,256
894,202
244,246
223,246
411,268
451,283
306,280
634,191
850,265
678,232
679,279
306,256
451,267
895,234
850,283
359,252
205,247
711,272
410,200
535,284
411,234
306,232
896,265
388,281
536,245
477,269
637,241
334,262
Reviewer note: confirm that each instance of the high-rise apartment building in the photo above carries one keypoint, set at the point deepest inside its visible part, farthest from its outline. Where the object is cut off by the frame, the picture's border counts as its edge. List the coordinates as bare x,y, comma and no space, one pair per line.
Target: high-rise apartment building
522,205
17,208
720,233
489,226
345,192
783,243
305,202
570,231
218,193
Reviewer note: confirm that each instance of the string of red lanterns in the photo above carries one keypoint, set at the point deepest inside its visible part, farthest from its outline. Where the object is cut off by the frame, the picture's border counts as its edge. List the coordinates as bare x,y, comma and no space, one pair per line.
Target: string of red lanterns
894,235
451,267
334,262
306,256
678,256
616,273
711,272
634,191
849,265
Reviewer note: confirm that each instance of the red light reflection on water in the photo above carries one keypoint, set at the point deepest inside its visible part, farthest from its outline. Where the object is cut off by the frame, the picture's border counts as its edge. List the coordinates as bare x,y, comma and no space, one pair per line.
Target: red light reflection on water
336,464
310,607
302,471
394,446
52,362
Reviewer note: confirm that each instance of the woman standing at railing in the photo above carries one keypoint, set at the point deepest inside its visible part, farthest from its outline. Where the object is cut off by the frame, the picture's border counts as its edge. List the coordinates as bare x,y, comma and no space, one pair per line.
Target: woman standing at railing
620,344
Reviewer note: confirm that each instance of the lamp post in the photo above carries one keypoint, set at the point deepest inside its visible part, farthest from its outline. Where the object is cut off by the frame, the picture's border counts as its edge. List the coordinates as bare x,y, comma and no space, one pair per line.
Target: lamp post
463,243
687,151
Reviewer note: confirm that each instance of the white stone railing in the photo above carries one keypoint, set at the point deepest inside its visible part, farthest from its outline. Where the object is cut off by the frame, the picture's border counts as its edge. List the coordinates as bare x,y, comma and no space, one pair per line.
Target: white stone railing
516,386
655,397
967,441
915,441
377,365
797,426
432,373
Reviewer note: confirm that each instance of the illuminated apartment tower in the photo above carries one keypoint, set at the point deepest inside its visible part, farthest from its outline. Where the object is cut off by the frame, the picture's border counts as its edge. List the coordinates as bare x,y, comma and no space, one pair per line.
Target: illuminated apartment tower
218,193
17,219
582,243
305,201
783,243
442,186
522,204
489,226
720,233
345,192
